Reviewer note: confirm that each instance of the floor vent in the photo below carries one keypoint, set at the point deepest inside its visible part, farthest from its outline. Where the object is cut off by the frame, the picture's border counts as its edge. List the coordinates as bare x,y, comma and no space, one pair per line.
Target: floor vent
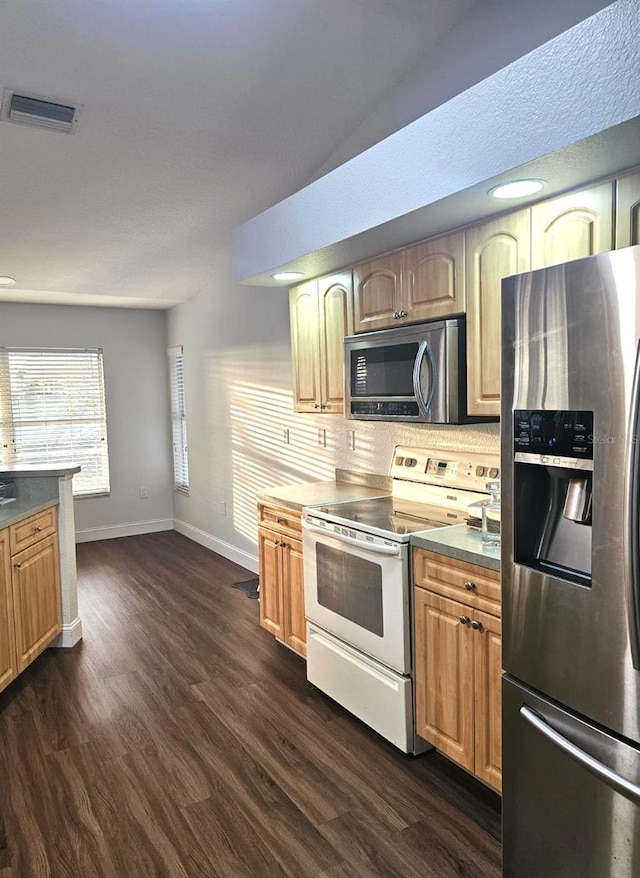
40,112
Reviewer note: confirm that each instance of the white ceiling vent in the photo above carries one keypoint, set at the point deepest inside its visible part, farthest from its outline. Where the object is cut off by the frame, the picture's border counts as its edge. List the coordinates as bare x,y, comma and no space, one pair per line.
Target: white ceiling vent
41,112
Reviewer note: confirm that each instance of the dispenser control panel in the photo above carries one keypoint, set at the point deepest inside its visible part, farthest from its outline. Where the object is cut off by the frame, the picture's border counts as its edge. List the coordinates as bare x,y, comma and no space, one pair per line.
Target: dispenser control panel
554,433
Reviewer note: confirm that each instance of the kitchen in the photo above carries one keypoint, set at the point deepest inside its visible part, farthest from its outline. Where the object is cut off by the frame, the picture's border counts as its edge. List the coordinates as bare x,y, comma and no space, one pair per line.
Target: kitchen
238,365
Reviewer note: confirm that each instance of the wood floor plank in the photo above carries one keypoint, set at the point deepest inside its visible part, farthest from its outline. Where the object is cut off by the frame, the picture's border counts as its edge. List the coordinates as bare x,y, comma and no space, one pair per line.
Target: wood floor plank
179,739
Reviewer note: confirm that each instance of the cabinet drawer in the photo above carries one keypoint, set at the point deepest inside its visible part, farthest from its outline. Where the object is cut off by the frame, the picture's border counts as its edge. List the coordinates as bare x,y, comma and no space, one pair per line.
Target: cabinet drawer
29,531
284,521
478,587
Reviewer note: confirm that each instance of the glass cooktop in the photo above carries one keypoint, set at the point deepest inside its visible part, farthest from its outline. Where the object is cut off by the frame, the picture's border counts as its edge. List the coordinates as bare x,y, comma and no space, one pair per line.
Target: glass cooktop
388,515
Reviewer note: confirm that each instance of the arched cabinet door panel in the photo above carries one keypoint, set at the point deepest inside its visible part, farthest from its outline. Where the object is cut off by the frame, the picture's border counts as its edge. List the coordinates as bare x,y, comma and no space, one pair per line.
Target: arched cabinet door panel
494,250
434,280
377,292
572,226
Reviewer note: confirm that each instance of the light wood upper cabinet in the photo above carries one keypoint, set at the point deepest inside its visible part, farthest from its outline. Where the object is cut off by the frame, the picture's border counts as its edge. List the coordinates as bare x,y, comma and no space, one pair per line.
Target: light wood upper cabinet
421,282
494,250
628,210
335,304
8,662
572,226
377,295
305,346
321,315
433,278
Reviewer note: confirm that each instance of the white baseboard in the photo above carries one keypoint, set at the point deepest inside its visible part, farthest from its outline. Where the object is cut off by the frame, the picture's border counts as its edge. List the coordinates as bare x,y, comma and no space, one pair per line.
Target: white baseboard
244,559
130,529
70,634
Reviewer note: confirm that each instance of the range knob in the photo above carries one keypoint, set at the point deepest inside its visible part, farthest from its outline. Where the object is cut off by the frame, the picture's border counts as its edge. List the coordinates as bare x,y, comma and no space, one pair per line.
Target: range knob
481,470
493,472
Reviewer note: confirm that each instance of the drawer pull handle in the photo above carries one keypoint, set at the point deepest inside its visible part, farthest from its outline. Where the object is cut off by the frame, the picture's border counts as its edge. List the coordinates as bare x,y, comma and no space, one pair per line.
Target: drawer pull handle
282,521
17,566
470,586
37,528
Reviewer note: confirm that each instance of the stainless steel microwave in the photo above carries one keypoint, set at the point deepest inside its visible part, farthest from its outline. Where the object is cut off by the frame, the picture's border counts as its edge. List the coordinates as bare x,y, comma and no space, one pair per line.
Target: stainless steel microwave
413,373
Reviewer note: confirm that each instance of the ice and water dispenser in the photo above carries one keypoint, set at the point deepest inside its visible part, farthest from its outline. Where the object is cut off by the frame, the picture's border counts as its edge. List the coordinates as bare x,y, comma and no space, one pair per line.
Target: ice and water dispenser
553,477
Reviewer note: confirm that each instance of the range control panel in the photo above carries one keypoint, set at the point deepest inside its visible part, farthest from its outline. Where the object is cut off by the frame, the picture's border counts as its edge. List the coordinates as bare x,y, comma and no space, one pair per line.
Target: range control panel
468,469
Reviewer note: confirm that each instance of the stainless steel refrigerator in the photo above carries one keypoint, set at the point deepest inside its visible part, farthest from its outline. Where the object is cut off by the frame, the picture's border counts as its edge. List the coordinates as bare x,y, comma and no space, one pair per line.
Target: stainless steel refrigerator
571,569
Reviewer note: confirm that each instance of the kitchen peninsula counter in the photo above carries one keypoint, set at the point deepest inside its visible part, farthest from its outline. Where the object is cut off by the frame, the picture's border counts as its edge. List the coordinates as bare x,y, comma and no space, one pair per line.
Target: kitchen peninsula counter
38,488
459,542
17,510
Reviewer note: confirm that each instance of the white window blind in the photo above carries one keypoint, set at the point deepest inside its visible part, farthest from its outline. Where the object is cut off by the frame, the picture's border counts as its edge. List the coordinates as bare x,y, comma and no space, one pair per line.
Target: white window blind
178,420
52,412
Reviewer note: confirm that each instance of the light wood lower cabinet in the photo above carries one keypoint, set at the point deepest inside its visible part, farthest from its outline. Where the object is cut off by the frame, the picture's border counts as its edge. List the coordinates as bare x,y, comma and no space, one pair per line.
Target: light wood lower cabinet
281,577
8,659
458,670
30,609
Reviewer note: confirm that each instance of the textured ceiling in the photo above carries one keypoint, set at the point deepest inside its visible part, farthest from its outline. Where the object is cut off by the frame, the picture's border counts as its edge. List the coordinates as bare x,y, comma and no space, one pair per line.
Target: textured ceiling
198,114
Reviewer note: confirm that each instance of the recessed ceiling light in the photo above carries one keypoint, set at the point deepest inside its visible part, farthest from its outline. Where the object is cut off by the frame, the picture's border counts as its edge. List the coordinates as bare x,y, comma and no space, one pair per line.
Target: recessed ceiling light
287,275
517,189
7,281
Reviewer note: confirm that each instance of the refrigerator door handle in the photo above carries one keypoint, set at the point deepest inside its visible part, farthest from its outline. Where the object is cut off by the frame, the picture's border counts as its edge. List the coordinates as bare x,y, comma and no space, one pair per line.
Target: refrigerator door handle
611,778
631,523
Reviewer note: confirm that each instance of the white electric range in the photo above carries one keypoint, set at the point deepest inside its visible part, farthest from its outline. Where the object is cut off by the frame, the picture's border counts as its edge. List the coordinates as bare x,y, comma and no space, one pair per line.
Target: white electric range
357,582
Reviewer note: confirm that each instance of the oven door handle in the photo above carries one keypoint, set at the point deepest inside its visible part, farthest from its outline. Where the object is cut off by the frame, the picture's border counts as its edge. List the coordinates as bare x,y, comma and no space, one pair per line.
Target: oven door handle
375,548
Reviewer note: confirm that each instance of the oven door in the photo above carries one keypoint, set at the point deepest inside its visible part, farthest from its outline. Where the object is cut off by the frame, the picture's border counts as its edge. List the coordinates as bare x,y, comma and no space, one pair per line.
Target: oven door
359,592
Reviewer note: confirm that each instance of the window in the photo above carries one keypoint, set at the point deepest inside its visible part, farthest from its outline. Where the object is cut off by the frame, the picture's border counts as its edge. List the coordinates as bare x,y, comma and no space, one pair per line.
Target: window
52,412
178,421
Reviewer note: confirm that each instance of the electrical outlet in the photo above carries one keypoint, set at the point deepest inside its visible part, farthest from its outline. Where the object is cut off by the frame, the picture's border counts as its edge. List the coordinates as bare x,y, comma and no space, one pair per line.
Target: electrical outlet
351,440
285,436
322,437
144,492
222,507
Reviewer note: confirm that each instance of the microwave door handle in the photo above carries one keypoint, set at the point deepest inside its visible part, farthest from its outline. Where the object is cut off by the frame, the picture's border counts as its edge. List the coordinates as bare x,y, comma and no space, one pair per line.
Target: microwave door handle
424,352
374,548
631,521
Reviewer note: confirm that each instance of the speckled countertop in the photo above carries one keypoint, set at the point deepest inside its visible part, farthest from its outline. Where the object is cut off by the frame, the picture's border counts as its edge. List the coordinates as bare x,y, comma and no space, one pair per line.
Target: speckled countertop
317,493
460,542
16,510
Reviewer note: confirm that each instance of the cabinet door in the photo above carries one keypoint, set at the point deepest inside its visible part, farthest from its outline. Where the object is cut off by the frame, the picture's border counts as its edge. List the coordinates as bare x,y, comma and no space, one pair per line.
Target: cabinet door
628,210
444,676
271,606
305,347
293,590
8,664
377,292
36,599
572,226
335,299
494,250
488,688
433,278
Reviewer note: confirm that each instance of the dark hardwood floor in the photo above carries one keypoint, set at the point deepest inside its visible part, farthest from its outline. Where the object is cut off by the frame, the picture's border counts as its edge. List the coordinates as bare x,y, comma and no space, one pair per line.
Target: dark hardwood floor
179,739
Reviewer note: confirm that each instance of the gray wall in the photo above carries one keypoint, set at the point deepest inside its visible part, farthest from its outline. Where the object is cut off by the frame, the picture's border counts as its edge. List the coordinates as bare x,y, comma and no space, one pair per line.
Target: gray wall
134,343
